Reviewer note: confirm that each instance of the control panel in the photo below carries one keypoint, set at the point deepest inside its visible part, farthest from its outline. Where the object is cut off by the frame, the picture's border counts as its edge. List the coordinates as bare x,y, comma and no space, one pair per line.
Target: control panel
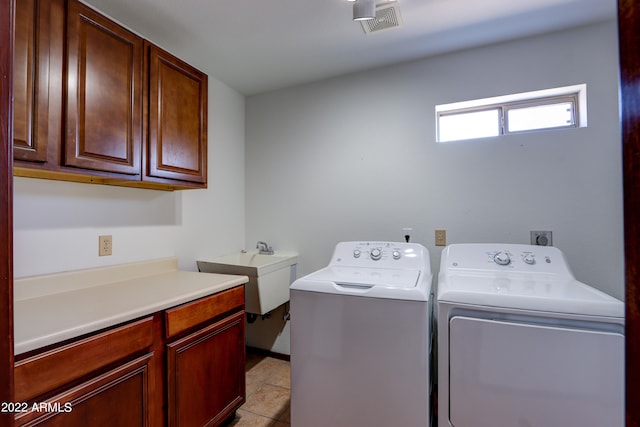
505,257
380,254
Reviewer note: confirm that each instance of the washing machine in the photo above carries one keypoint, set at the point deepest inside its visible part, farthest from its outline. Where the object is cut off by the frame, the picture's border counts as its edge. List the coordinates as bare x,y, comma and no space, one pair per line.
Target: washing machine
522,343
360,338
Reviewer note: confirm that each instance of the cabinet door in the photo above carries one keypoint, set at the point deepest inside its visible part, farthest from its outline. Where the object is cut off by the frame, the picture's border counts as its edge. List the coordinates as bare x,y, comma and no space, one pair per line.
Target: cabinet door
37,375
177,140
31,80
206,374
104,94
119,397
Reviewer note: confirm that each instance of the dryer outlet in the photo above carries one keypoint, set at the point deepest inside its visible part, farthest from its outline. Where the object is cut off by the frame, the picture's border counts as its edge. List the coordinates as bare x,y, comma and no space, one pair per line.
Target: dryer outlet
542,238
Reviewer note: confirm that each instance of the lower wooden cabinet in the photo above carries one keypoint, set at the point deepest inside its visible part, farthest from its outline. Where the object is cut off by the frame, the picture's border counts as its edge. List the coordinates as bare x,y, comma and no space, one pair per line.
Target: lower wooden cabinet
184,366
37,374
119,397
205,374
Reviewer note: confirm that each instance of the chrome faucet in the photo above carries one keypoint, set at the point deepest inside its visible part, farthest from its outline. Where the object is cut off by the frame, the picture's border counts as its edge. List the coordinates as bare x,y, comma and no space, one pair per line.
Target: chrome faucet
264,249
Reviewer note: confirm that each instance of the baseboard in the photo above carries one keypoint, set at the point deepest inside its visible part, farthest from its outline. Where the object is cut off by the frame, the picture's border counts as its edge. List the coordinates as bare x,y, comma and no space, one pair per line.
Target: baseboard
269,353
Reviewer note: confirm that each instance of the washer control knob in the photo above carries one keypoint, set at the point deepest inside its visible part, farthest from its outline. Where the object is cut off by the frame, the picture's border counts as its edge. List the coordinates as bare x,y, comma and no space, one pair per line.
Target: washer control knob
376,254
529,259
502,258
356,253
396,254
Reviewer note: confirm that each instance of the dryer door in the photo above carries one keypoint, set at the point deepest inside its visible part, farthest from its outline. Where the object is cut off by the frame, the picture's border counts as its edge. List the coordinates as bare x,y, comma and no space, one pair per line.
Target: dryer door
519,374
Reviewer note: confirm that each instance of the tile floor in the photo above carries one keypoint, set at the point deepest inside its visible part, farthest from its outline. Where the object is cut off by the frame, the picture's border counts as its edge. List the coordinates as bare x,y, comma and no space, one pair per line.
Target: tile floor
268,393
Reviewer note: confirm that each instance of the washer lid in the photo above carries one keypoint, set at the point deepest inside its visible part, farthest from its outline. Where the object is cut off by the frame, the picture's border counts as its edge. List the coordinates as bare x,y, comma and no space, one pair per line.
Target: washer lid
409,284
539,292
391,278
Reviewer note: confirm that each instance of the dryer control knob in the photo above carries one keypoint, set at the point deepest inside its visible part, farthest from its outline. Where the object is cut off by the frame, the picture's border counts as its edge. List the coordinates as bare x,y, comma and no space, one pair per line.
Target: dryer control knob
502,258
396,254
376,254
356,253
529,259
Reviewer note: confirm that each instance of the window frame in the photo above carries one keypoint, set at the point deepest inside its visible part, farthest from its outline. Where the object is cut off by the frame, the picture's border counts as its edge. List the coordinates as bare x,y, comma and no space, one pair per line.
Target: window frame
551,100
576,95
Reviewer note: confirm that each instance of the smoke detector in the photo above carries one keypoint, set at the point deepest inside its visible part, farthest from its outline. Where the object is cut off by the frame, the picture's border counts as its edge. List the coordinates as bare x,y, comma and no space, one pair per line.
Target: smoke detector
387,16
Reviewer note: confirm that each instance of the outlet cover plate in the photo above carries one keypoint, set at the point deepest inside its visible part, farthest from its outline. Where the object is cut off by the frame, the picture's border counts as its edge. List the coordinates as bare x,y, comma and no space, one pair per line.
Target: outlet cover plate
105,246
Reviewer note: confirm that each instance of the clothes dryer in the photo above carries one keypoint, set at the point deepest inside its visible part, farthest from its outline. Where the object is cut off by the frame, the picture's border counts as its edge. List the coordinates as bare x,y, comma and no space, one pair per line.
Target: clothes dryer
360,338
521,342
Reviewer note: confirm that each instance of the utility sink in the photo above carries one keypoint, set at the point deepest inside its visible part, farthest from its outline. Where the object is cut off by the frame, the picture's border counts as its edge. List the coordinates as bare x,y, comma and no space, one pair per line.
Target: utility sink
269,276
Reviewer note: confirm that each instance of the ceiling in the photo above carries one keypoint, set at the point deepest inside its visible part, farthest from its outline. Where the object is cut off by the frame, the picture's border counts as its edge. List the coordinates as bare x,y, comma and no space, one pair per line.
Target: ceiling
255,46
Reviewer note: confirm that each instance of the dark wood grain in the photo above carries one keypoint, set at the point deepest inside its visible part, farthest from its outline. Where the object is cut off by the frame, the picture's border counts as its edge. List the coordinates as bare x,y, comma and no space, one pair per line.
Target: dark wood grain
177,116
186,316
118,397
104,93
205,374
37,375
629,42
6,207
82,103
31,80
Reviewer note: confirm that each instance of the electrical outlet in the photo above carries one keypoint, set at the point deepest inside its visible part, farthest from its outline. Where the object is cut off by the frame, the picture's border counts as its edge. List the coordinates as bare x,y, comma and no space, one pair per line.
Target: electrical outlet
542,238
441,237
104,246
406,233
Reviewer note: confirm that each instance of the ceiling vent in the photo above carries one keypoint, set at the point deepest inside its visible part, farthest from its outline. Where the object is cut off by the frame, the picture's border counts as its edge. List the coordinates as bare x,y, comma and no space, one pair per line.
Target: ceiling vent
387,16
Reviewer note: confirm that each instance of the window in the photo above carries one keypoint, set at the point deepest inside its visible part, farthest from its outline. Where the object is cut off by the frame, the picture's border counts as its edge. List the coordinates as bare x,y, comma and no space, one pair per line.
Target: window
470,124
524,112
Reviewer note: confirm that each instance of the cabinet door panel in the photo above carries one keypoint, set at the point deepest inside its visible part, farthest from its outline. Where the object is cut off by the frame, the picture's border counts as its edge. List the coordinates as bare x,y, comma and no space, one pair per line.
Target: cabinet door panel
177,119
59,366
104,97
31,80
120,397
205,374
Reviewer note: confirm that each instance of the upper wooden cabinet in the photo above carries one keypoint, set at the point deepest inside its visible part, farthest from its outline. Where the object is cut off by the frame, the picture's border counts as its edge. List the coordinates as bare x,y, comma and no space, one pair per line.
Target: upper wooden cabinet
133,114
104,94
177,146
36,34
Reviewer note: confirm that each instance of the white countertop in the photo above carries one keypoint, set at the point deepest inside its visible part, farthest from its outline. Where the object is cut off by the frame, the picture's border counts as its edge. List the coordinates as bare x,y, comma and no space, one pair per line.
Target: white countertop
52,308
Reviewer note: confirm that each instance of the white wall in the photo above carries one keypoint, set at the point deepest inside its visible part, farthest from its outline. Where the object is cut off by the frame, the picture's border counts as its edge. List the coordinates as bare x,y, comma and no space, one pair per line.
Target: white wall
56,224
355,158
